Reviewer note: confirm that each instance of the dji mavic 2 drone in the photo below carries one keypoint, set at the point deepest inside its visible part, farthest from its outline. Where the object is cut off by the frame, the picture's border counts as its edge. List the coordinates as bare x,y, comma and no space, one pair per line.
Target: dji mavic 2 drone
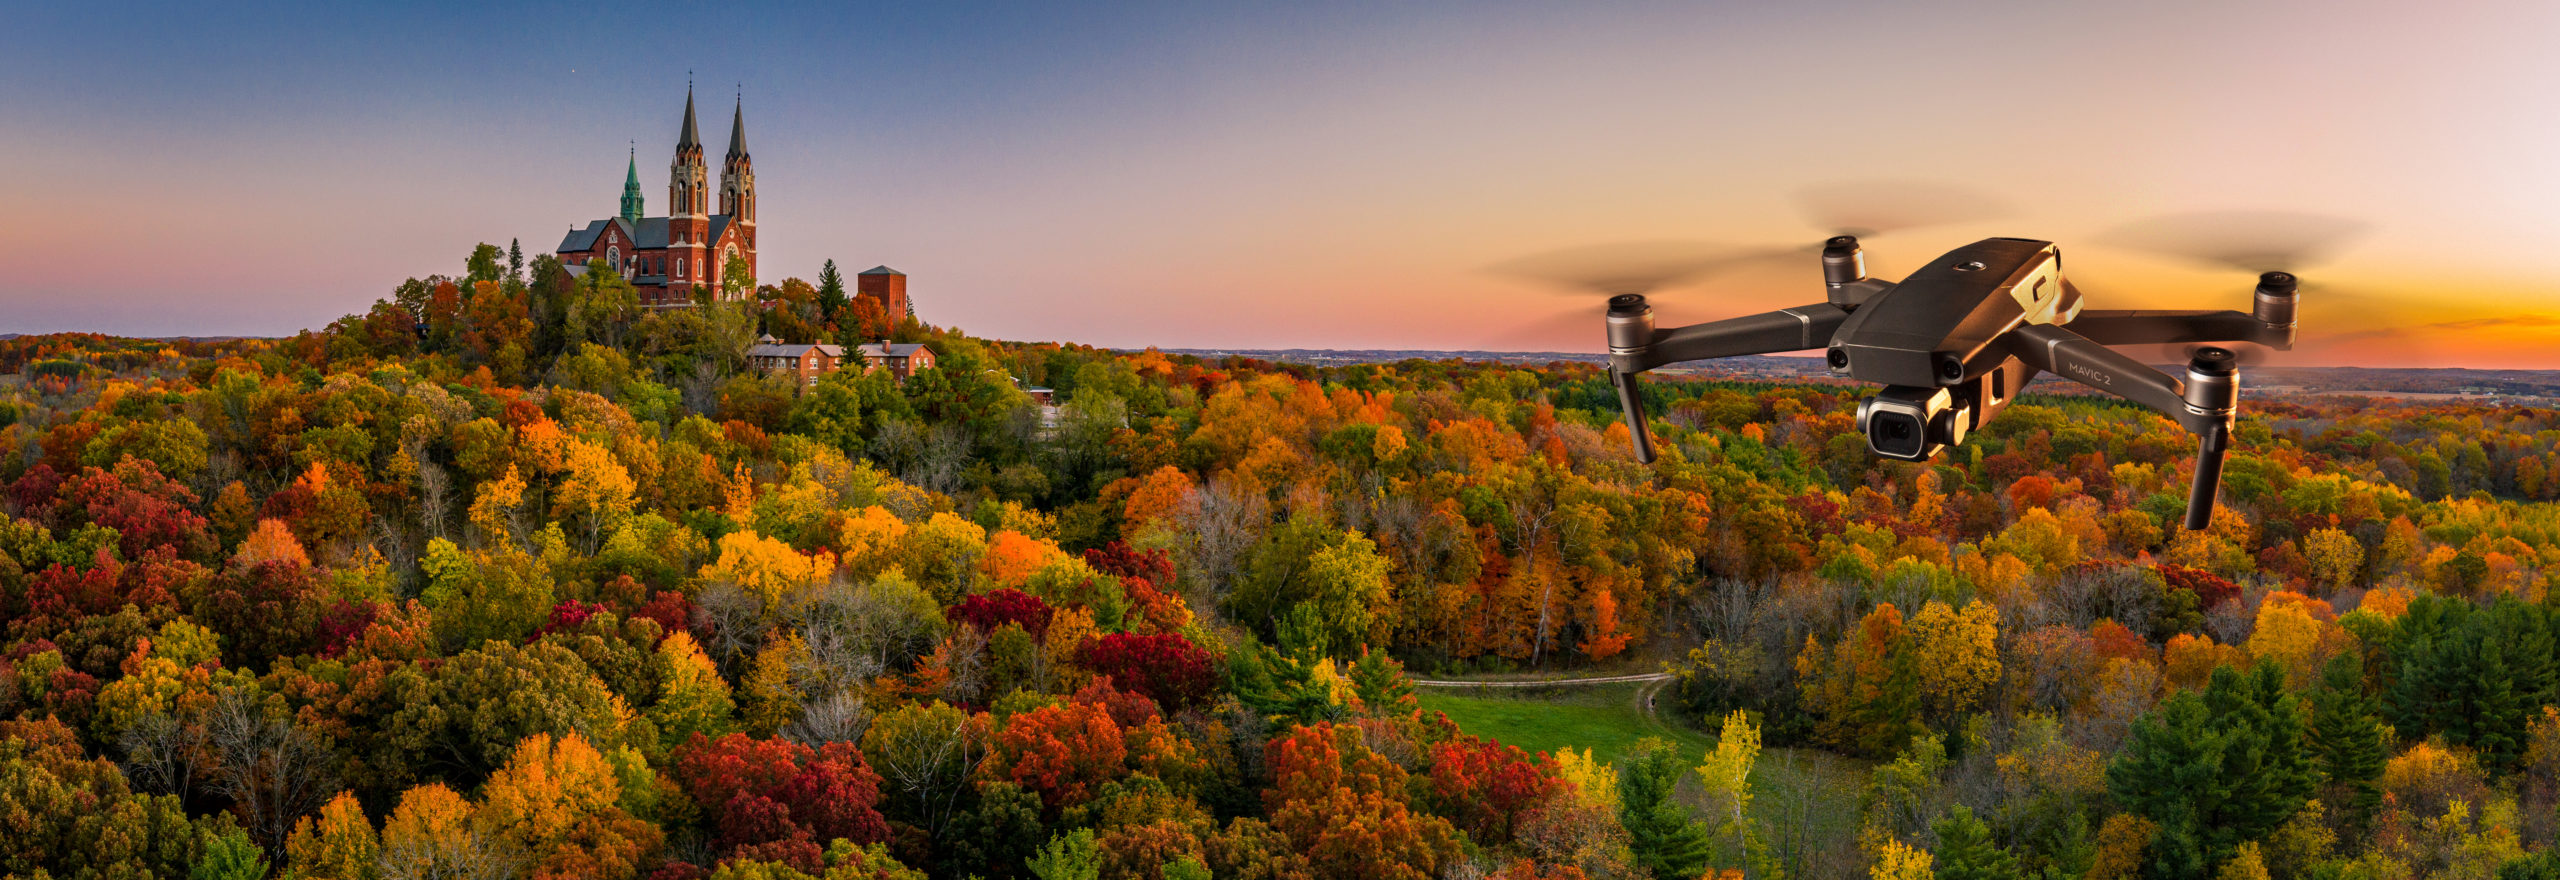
1956,341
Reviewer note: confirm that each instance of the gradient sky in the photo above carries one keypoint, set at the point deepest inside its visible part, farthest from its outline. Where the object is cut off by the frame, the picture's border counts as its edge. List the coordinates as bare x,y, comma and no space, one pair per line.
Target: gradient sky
1303,174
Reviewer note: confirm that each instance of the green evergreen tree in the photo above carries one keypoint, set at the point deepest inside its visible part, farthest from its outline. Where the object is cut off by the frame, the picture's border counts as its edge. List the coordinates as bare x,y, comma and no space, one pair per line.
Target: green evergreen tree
2543,865
484,264
2499,712
831,298
2347,743
515,264
2214,770
1966,852
996,836
1886,724
1665,842
1381,683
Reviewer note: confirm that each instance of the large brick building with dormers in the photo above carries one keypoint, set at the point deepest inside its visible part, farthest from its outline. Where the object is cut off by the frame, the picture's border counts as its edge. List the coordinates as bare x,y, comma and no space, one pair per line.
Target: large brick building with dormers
668,258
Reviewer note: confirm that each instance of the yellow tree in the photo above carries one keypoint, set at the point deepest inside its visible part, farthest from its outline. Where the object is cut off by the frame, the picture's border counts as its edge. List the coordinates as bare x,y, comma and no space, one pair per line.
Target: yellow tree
867,541
765,567
2288,633
1726,774
1957,654
430,834
696,698
544,789
2336,557
1595,783
557,803
595,492
1896,860
497,508
2244,865
338,844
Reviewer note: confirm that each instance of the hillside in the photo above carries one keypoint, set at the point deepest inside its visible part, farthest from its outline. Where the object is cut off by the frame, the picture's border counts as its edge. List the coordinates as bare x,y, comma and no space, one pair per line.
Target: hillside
562,587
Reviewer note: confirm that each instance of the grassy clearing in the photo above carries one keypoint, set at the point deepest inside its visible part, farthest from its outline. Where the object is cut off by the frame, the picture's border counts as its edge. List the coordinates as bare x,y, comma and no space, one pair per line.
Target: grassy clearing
1819,788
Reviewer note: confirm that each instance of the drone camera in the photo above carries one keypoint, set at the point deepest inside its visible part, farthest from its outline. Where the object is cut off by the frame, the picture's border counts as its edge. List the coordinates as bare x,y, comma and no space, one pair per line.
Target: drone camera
1911,424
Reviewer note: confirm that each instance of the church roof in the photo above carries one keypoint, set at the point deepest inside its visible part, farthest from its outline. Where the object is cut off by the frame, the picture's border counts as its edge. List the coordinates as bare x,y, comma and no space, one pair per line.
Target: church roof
648,234
689,138
738,131
890,349
583,239
881,270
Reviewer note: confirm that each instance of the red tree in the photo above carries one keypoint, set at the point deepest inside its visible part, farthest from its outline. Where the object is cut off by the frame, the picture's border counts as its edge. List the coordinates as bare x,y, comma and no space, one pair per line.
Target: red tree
767,792
990,611
1483,786
2210,588
1166,668
1064,753
1118,560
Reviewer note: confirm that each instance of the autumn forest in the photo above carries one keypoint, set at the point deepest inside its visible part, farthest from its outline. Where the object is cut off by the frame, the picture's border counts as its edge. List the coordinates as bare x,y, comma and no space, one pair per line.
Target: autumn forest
507,576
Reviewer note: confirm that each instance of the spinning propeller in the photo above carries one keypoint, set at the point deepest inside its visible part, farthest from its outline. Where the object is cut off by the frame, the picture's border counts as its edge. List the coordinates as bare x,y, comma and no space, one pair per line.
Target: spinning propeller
1956,341
1601,271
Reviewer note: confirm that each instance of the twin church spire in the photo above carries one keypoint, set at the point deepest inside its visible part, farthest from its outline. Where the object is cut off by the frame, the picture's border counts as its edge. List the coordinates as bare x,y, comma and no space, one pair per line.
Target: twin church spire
688,254
688,191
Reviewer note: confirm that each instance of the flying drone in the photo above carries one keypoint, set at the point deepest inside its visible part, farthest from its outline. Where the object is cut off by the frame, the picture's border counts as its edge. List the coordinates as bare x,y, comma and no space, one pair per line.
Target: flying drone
1955,342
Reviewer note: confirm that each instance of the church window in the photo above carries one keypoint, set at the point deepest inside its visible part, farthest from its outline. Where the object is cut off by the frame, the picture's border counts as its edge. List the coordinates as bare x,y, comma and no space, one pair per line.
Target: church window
613,257
680,268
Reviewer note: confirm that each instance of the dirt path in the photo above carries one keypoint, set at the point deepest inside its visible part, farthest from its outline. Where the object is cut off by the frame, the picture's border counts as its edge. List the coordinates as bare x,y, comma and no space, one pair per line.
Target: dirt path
1554,682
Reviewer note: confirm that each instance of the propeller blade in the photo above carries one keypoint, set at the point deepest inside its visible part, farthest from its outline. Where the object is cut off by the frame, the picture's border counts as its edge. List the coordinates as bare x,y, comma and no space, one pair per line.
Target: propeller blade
1877,207
2249,241
1578,330
1618,267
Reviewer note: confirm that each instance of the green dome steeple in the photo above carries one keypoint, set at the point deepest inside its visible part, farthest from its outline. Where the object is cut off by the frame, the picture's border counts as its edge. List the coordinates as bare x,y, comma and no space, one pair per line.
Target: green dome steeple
631,189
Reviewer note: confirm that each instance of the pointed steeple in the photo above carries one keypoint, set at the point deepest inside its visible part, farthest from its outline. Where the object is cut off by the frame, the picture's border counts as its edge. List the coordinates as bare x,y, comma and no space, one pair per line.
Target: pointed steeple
632,203
738,130
687,193
738,175
689,138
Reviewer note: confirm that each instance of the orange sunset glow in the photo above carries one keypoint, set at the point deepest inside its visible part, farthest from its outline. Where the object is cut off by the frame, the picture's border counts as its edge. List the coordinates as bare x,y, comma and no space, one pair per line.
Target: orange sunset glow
1321,177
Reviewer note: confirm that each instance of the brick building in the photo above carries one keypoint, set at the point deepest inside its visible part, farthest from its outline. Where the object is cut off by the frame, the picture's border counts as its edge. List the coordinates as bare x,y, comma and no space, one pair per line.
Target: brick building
808,362
901,359
888,287
668,258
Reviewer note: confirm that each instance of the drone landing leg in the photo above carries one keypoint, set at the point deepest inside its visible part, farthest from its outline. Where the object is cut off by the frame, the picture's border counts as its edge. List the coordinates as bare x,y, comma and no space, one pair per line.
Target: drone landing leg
2203,404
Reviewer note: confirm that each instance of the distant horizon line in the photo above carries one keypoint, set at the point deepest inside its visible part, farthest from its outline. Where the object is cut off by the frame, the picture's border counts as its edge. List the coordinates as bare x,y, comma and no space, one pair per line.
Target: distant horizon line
1457,353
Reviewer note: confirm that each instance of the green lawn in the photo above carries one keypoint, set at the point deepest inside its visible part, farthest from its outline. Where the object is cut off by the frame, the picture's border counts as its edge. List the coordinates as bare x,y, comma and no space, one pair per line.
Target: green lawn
1607,720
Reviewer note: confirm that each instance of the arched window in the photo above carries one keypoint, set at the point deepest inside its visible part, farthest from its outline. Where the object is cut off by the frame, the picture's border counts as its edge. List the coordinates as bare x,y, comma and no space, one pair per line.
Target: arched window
680,268
613,257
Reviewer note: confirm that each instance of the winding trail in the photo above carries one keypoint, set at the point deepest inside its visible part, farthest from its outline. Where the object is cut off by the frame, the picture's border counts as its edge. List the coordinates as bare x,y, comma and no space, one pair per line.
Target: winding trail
1654,682
1547,682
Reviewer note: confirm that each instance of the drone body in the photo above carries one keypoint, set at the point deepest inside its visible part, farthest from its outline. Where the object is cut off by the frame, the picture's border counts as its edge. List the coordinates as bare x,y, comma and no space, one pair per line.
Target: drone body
1956,341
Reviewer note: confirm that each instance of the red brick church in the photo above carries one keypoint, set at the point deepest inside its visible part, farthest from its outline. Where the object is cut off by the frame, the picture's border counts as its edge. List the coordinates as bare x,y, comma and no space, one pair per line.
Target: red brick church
668,257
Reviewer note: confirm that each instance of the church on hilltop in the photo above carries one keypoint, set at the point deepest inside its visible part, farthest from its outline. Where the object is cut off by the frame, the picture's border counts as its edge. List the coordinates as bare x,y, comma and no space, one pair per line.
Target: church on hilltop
669,258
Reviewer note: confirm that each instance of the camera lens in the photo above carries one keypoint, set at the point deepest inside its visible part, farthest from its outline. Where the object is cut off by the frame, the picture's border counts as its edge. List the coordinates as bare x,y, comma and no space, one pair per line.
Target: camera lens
1896,434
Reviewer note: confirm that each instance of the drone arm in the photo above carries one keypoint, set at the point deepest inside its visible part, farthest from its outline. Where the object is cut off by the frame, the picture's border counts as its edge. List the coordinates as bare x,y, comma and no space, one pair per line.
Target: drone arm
2204,404
2086,361
2133,327
1793,329
1635,346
